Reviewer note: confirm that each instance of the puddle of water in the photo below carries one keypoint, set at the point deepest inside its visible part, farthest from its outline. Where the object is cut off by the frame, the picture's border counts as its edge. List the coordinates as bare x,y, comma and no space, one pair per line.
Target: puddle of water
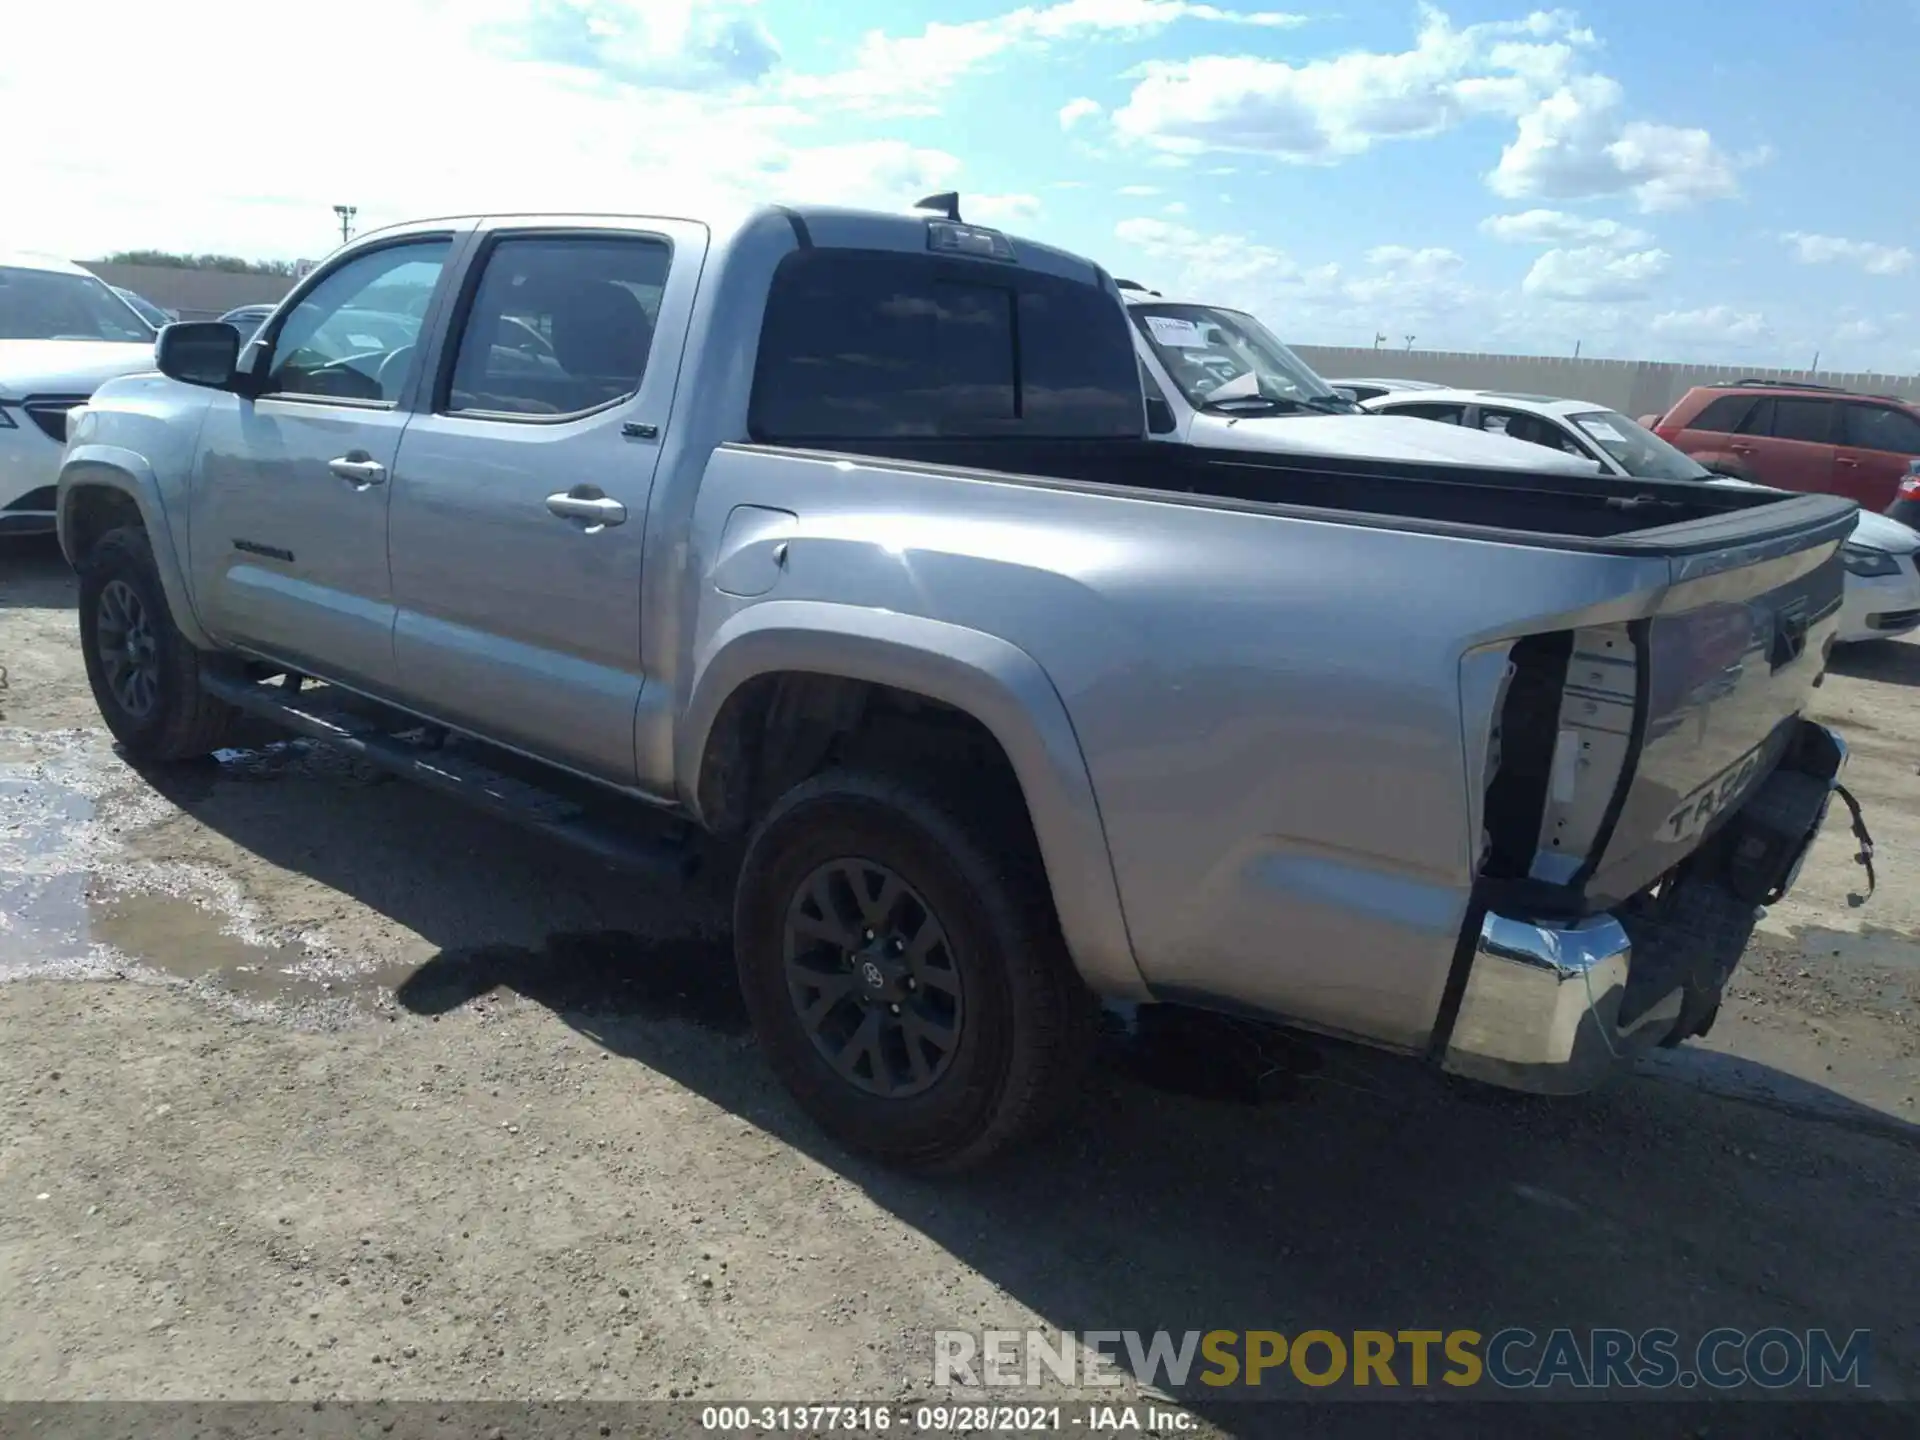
175,936
605,973
65,912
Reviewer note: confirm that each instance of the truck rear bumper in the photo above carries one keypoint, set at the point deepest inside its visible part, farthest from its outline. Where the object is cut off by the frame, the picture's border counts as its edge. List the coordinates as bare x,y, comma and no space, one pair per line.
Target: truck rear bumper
1542,1006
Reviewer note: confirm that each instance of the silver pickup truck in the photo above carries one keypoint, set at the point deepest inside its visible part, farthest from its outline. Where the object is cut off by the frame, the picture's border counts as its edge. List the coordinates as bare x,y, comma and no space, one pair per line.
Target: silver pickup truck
833,543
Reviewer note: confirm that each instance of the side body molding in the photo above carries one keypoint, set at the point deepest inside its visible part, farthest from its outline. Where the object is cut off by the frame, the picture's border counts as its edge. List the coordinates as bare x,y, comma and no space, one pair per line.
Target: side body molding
116,468
999,684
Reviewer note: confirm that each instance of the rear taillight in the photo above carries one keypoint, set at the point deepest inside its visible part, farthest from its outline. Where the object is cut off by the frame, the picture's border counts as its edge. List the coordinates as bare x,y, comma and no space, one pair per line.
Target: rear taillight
1910,487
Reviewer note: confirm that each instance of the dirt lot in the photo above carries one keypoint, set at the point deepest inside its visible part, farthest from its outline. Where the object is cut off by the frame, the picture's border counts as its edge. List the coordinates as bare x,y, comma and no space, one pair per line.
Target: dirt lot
318,1086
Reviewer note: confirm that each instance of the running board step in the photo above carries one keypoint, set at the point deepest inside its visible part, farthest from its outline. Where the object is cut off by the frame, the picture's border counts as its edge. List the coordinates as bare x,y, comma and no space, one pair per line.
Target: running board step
464,776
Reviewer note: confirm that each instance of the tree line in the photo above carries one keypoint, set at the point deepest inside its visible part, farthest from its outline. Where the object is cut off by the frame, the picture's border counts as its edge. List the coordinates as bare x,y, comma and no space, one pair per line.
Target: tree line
230,264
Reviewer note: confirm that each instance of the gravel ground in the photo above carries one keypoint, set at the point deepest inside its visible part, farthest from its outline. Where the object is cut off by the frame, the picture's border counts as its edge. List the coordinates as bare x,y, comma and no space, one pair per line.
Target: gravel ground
319,1086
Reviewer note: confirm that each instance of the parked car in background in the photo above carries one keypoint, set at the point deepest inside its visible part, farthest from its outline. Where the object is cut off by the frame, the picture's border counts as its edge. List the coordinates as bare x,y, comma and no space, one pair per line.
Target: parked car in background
63,330
247,319
1372,387
149,312
1798,437
1219,378
1882,595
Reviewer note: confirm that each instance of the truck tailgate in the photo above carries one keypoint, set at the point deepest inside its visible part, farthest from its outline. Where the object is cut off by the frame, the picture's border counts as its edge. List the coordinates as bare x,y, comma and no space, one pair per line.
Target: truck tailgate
1724,666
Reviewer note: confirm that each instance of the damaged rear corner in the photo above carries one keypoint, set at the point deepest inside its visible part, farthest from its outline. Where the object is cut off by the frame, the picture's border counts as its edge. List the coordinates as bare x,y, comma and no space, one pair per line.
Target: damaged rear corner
1549,990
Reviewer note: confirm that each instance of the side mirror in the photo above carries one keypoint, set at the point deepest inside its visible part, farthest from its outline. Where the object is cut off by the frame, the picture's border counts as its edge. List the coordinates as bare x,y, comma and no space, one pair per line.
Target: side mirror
1160,419
198,352
1347,395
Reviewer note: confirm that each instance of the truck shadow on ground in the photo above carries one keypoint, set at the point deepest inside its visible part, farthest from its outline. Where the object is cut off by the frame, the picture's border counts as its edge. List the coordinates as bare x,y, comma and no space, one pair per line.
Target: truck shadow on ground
1892,662
35,575
1307,1185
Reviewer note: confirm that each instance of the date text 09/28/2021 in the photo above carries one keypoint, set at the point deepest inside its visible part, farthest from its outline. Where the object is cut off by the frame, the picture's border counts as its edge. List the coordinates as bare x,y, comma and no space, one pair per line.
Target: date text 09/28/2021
961,1418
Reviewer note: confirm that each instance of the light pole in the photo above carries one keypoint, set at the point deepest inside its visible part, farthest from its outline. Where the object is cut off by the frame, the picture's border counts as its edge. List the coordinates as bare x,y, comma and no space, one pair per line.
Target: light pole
1410,340
346,214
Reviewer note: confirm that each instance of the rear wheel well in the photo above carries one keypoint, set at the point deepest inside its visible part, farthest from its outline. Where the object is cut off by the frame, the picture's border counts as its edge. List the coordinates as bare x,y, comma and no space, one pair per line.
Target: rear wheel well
93,510
780,729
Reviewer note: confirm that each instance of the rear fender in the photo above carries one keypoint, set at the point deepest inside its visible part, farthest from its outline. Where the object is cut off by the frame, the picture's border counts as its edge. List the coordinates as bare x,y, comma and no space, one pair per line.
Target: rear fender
127,473
997,683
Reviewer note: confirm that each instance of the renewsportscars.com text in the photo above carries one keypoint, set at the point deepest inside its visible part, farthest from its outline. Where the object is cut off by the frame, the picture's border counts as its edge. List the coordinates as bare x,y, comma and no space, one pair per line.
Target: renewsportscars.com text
1513,1358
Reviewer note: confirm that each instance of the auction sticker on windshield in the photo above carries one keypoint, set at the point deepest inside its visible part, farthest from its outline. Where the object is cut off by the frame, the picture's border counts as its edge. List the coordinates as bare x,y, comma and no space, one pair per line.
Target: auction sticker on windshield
1601,430
1180,334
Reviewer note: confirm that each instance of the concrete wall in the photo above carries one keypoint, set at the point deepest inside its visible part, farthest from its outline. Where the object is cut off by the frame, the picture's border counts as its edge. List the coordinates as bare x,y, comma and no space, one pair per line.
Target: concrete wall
1633,387
196,294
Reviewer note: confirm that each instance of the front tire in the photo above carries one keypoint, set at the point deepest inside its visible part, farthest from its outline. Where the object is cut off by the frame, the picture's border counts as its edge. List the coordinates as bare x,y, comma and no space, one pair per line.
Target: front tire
905,973
144,675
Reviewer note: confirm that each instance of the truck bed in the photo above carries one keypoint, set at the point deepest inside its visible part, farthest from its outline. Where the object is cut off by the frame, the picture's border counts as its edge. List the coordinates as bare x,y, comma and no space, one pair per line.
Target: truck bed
1597,513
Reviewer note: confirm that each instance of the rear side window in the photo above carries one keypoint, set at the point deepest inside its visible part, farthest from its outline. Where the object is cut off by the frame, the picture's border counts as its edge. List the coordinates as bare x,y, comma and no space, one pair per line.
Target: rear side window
1810,420
1723,414
1881,427
1449,414
860,345
561,325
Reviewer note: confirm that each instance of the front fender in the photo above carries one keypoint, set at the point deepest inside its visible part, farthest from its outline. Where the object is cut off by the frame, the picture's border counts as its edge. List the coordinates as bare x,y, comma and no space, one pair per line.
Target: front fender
127,472
997,683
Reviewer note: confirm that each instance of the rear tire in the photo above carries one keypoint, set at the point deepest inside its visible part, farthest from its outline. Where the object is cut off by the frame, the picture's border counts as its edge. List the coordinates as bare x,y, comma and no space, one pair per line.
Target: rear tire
1001,1023
144,675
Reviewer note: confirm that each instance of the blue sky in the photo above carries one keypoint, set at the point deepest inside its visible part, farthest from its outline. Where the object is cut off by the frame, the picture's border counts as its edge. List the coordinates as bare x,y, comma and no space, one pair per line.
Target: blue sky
1676,180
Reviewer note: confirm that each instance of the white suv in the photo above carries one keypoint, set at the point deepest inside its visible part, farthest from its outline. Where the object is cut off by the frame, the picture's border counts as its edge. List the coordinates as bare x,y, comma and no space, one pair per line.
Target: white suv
62,333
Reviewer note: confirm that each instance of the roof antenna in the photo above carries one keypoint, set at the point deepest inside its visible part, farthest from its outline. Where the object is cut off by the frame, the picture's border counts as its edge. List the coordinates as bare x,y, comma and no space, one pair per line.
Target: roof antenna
947,202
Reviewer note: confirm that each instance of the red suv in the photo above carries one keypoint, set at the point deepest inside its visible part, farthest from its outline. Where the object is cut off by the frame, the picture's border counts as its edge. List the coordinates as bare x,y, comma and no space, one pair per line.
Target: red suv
1799,437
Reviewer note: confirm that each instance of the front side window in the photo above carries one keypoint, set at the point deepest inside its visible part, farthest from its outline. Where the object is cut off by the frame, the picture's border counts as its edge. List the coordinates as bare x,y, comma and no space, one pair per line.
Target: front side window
56,305
1532,429
1810,420
1638,450
1881,427
352,336
861,345
561,325
1229,363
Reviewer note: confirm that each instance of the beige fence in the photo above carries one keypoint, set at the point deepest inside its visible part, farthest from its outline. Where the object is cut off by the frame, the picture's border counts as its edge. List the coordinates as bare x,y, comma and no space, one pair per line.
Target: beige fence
1633,387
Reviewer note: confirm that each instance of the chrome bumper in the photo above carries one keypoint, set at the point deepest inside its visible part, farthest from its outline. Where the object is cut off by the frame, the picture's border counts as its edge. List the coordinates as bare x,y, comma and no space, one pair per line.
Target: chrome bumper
1542,1005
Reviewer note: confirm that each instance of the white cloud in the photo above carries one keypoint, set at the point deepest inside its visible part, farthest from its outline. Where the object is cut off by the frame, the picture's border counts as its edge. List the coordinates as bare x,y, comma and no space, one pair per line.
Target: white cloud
1573,145
1714,322
1556,227
1074,111
1571,138
1174,207
1331,108
906,74
1139,189
1874,259
671,43
1594,272
648,108
1223,269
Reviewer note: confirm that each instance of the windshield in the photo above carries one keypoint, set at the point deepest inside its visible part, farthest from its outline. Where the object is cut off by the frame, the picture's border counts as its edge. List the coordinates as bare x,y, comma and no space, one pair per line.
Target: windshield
1224,360
1640,452
52,305
149,312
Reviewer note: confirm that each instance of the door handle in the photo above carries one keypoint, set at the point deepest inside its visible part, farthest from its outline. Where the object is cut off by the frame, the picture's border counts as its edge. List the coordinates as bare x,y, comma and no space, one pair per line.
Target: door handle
1741,449
360,468
1844,460
597,511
